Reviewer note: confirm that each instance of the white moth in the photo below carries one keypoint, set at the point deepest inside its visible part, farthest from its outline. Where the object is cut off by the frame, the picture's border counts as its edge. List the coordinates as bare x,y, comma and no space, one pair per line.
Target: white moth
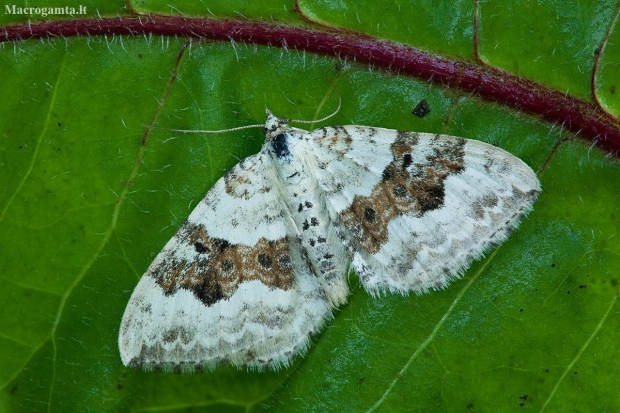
263,259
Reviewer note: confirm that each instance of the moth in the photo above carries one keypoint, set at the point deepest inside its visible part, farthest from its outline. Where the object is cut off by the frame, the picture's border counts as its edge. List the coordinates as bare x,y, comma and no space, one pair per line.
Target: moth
263,259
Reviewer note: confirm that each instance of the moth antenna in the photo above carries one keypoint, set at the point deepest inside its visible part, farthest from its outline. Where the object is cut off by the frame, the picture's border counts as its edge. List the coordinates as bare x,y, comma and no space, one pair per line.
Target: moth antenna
322,119
328,116
210,131
257,125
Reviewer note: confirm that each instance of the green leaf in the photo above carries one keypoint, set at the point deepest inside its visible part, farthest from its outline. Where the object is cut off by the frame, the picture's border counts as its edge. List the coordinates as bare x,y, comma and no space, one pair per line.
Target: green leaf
85,206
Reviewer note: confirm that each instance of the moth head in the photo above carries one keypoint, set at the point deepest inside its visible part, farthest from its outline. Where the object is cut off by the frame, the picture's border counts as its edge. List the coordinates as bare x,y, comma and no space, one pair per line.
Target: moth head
274,125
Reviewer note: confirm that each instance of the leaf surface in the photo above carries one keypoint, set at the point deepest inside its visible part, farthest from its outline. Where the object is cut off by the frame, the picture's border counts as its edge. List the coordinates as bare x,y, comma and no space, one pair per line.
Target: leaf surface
88,197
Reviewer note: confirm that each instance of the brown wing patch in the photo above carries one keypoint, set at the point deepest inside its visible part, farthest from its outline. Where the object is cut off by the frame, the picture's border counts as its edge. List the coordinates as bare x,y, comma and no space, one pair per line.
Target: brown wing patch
219,267
238,181
337,139
488,201
409,186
